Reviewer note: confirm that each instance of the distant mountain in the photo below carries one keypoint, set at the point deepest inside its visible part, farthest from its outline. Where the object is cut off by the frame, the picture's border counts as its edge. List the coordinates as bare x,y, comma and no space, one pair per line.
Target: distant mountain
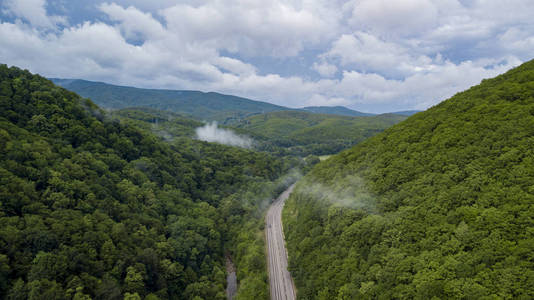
199,105
336,110
211,106
344,111
406,112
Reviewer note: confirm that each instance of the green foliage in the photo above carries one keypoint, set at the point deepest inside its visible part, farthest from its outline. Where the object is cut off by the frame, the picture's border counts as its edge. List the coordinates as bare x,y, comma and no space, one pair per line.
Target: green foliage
336,110
165,124
199,105
278,130
439,206
305,133
93,207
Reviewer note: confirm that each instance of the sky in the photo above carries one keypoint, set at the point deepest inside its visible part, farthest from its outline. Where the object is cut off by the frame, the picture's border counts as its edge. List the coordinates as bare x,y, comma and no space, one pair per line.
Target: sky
369,55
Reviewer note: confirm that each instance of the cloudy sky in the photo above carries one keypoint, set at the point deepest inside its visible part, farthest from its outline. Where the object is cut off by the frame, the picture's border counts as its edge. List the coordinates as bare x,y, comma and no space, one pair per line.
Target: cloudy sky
369,55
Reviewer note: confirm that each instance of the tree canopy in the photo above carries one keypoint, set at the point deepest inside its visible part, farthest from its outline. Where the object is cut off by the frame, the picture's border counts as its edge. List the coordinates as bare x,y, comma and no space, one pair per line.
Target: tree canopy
439,206
94,207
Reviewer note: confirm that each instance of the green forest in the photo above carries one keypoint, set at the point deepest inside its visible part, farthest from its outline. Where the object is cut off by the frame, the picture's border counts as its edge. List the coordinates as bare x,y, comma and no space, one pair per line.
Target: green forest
127,204
95,207
305,133
165,124
439,206
278,130
283,134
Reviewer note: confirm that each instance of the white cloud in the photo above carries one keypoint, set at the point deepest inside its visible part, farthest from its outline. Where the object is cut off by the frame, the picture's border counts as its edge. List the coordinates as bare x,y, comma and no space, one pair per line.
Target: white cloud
259,27
33,11
371,55
320,100
367,52
400,17
325,69
235,66
134,23
519,42
419,90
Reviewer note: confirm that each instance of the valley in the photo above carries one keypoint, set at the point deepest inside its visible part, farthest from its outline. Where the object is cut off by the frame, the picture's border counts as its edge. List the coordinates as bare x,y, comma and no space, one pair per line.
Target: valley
256,150
134,203
281,283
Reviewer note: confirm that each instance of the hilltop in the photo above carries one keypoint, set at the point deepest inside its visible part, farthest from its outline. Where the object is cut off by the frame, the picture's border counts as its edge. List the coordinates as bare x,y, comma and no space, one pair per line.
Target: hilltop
203,106
196,104
336,110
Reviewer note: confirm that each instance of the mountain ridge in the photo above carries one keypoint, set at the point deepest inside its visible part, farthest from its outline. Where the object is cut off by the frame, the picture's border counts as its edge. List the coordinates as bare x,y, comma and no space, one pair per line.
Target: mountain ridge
197,104
208,106
337,110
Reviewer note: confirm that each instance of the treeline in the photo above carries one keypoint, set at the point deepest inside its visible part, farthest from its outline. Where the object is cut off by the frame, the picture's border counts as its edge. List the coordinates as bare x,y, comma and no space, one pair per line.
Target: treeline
439,206
283,134
304,133
95,208
242,210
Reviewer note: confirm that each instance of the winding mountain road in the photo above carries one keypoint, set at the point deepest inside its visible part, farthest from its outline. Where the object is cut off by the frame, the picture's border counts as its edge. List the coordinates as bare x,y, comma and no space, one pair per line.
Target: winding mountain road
281,284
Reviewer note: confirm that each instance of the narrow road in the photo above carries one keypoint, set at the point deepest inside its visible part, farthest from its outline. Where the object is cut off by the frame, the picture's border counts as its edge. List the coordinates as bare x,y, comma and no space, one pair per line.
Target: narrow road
282,286
231,279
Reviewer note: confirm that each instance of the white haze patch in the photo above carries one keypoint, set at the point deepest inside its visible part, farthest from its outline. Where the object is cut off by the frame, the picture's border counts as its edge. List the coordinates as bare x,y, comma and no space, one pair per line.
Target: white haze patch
264,196
212,133
350,192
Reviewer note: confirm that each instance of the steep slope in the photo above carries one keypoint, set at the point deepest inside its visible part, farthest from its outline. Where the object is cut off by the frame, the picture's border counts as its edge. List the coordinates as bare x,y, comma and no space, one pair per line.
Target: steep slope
202,106
94,208
305,133
440,206
336,110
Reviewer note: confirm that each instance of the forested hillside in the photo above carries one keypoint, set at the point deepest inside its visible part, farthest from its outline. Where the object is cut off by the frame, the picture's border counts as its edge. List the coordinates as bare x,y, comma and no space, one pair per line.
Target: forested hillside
336,110
283,134
202,106
91,207
165,124
304,133
440,206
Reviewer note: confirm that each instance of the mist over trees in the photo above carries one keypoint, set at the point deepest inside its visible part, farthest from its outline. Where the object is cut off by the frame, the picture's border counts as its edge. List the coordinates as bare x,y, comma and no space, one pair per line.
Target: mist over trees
452,200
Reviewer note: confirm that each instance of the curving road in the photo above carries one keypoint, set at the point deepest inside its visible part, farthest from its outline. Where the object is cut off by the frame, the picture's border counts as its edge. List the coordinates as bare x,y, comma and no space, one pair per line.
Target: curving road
282,286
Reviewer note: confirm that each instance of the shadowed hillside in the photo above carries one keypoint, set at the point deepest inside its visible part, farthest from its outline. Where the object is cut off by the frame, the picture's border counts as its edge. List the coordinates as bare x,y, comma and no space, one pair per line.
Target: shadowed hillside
96,208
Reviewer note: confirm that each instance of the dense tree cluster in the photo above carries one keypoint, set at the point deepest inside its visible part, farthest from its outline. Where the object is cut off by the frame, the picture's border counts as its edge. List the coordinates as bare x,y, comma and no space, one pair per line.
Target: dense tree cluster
278,130
305,133
91,207
165,124
440,206
244,219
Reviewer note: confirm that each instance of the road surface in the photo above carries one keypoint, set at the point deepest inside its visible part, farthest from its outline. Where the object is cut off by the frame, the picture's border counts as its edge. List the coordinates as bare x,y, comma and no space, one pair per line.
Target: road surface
281,284
231,279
